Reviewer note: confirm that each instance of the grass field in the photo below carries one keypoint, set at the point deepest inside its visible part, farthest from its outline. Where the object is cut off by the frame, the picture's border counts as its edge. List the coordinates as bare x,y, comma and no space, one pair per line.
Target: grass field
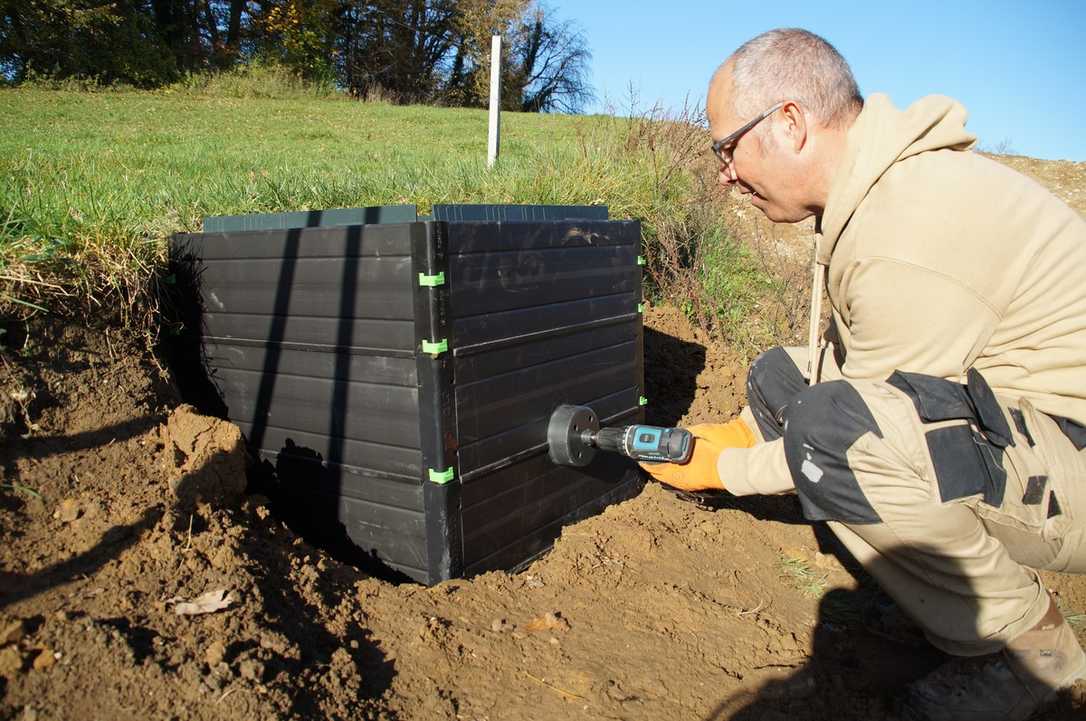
93,183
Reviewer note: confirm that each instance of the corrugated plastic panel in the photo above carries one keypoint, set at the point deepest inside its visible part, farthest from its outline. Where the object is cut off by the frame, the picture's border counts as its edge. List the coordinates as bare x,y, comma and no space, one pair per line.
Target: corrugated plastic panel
543,313
310,337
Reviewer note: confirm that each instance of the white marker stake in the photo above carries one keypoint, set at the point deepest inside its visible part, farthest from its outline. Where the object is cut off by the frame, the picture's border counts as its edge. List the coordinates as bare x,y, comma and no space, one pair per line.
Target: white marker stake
495,99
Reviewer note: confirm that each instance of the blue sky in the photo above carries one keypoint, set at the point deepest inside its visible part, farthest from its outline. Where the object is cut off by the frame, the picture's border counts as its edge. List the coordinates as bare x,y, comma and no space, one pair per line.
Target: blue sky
1018,67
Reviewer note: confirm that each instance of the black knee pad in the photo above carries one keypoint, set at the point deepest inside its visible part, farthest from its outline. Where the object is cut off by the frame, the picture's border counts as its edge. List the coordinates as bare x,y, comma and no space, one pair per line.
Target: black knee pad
772,383
821,424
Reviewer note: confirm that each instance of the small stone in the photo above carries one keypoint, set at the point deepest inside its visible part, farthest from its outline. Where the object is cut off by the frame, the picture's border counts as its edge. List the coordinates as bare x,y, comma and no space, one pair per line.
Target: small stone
215,653
11,632
353,644
500,625
67,511
44,660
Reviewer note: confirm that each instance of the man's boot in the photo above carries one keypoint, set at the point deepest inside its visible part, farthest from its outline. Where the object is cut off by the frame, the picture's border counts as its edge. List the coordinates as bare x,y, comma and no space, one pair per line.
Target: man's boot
1006,686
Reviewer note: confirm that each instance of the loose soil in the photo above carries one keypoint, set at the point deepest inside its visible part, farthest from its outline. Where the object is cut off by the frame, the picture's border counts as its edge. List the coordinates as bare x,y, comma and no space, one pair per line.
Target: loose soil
117,503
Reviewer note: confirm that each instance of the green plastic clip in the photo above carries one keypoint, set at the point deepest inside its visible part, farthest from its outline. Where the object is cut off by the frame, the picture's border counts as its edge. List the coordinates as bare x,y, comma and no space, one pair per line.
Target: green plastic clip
640,307
642,401
432,281
640,260
441,477
435,349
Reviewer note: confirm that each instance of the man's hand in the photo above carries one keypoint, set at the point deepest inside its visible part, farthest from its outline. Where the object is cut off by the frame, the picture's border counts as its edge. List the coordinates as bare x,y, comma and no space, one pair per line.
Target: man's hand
699,473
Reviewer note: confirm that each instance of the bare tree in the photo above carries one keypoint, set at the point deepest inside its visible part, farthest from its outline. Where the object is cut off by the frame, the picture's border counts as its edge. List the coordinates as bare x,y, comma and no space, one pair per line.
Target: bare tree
551,64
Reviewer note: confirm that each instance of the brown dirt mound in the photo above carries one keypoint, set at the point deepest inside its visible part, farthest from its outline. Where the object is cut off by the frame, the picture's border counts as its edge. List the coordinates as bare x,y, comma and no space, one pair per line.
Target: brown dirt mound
207,462
117,503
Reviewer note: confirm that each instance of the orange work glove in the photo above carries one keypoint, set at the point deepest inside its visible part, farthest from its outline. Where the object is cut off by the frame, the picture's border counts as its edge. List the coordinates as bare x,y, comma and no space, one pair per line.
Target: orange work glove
699,473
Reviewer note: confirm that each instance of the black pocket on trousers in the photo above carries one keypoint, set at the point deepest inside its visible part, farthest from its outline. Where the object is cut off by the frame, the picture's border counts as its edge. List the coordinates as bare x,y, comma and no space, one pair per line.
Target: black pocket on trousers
966,464
935,399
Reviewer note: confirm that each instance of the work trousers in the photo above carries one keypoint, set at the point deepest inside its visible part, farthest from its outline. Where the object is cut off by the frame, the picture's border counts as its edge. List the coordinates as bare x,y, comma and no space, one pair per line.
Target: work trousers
949,495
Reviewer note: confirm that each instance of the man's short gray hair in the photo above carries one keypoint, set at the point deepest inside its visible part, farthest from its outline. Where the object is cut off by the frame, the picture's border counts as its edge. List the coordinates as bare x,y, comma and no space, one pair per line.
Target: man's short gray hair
794,64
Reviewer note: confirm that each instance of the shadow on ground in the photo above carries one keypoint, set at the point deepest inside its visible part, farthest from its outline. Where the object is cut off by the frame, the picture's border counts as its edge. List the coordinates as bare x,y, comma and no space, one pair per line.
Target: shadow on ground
867,656
672,366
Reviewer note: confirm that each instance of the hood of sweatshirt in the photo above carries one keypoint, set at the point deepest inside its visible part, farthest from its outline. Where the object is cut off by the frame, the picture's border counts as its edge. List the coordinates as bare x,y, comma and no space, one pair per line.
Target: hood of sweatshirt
881,136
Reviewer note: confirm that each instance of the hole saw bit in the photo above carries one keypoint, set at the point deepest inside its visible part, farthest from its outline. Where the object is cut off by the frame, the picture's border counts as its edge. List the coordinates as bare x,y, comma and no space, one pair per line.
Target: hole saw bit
574,435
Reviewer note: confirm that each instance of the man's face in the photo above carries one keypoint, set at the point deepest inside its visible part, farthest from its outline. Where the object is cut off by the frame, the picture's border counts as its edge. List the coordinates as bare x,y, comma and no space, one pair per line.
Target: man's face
769,173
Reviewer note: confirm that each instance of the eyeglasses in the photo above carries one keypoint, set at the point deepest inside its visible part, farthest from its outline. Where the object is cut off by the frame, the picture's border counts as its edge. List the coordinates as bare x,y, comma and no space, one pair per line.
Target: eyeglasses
724,147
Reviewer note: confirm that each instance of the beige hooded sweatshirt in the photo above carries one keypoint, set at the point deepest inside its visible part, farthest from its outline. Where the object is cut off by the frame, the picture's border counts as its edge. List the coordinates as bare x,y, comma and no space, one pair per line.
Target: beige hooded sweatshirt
939,260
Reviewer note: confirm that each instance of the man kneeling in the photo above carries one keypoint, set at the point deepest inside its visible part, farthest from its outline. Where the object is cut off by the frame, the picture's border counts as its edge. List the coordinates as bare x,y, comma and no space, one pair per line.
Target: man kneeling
940,430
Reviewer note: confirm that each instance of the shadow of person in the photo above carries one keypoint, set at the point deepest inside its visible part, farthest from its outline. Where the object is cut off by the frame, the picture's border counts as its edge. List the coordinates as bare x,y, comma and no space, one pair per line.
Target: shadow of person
864,655
295,598
18,587
783,508
295,591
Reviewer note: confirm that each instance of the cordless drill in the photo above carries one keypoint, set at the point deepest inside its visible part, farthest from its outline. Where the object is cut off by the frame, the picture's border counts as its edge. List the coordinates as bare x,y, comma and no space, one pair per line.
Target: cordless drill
574,435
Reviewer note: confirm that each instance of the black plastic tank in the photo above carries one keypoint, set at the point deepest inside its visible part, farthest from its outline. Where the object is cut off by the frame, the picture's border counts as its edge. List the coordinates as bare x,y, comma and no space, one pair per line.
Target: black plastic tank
399,374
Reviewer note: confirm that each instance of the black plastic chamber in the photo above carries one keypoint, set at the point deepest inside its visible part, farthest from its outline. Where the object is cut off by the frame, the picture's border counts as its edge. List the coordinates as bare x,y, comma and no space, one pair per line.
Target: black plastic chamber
400,374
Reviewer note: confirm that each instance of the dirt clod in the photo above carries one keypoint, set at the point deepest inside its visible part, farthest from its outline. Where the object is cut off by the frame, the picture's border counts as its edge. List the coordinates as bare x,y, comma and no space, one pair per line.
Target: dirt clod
208,458
67,511
251,669
550,621
215,654
11,661
44,660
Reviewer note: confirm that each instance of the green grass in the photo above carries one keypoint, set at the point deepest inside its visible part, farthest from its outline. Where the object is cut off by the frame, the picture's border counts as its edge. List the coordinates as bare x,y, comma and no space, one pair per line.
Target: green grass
736,291
92,184
802,577
20,488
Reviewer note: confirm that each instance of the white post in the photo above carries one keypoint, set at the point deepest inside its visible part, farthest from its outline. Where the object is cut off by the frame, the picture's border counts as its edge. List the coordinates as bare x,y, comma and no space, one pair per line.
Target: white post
495,99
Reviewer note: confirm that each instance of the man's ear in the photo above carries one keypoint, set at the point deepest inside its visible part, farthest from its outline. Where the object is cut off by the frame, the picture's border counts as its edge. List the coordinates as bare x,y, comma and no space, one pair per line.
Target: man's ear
794,125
